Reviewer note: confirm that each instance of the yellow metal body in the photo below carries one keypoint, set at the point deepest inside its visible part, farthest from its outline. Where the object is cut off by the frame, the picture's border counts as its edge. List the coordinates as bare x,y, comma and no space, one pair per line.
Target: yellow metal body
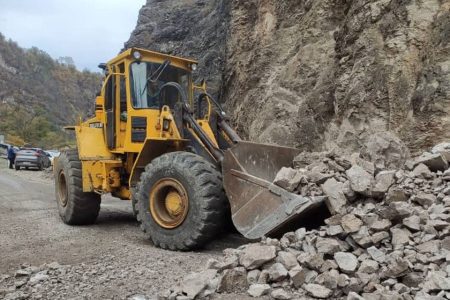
114,169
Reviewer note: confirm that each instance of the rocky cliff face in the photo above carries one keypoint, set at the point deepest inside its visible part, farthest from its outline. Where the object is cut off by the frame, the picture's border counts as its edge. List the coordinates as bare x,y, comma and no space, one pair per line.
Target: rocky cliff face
191,28
317,74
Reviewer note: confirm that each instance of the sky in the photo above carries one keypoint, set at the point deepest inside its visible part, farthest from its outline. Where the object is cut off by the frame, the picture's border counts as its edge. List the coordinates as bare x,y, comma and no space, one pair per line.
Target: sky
89,31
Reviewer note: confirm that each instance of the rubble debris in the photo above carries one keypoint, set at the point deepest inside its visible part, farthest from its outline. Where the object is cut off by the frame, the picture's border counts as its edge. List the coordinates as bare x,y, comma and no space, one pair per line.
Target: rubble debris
388,236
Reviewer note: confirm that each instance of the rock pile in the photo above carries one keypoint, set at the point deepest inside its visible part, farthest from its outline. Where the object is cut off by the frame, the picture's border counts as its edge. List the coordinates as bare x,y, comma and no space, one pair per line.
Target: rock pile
388,236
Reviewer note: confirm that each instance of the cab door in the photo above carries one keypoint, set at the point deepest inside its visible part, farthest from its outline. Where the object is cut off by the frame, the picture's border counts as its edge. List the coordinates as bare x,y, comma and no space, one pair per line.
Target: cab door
110,112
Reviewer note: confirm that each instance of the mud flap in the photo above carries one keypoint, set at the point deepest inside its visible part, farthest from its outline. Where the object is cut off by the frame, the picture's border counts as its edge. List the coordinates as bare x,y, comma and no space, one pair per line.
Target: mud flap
259,207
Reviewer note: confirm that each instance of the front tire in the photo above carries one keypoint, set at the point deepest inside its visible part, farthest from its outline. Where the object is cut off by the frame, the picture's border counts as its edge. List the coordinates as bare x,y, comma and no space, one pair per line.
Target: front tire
75,207
181,204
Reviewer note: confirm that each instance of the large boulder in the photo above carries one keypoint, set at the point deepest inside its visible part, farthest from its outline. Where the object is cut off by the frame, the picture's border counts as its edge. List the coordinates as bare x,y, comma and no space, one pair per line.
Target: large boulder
336,199
360,180
255,255
386,150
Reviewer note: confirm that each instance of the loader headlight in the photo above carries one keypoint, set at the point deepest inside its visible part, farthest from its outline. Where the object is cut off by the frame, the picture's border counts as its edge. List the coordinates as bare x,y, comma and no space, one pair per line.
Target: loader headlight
166,124
194,67
137,55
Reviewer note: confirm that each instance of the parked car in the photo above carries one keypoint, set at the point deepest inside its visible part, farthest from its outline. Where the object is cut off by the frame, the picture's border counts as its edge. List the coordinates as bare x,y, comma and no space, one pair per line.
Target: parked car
52,154
32,158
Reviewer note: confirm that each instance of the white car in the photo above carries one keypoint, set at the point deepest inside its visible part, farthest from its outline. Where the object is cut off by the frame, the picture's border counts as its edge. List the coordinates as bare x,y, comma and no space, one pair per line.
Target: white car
52,154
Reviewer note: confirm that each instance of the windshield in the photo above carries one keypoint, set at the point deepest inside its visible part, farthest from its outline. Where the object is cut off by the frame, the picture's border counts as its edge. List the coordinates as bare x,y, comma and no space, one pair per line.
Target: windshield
146,93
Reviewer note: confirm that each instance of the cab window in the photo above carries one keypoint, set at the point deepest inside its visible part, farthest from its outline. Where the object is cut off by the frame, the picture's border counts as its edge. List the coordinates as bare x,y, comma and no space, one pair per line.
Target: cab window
146,93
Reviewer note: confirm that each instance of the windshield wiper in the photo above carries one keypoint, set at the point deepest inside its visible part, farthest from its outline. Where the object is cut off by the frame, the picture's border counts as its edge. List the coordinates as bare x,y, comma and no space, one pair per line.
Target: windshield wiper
155,75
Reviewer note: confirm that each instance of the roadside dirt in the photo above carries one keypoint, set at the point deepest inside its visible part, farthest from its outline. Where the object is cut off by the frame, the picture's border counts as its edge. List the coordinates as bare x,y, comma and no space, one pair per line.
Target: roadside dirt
108,260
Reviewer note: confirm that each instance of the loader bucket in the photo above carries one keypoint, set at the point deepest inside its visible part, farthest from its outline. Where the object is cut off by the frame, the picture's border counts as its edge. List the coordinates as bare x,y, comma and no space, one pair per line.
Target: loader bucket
258,207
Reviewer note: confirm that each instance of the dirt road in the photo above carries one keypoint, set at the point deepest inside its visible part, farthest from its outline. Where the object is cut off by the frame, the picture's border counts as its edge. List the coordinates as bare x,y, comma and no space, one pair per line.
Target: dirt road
110,259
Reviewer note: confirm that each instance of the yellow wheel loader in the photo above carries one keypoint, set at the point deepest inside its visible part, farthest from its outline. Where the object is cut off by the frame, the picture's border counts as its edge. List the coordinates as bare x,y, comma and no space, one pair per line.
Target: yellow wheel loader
164,143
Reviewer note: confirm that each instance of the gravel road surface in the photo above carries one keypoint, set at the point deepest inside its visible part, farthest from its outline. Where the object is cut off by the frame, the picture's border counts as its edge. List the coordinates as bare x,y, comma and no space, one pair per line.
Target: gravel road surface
108,260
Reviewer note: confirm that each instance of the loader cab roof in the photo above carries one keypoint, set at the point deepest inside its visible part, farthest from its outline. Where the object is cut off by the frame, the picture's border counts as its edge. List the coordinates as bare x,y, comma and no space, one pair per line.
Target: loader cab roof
153,56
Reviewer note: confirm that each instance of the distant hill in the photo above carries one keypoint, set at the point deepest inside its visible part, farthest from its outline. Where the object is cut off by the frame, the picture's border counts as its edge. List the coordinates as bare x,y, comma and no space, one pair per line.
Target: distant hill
39,95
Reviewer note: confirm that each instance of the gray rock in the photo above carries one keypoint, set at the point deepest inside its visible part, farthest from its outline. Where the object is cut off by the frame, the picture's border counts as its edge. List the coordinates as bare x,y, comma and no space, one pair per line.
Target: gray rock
310,276
253,276
443,149
298,276
258,290
300,234
360,180
379,236
277,272
424,199
329,279
254,255
347,262
287,259
317,177
348,192
230,261
376,254
437,281
233,280
350,223
38,277
381,225
383,181
336,199
314,261
318,291
195,283
438,224
212,264
22,272
19,283
333,230
368,266
362,237
431,246
436,162
397,211
412,223
413,279
288,178
354,296
422,171
263,277
386,150
396,268
368,166
400,236
280,294
327,245
17,295
396,195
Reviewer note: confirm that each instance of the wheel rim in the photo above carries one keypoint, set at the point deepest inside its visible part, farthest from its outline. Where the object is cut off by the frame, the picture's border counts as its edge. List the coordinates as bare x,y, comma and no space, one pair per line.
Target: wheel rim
169,203
62,184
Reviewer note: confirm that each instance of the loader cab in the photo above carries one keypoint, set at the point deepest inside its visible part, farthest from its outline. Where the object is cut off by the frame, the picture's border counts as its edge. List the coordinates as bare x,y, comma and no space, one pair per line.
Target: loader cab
133,96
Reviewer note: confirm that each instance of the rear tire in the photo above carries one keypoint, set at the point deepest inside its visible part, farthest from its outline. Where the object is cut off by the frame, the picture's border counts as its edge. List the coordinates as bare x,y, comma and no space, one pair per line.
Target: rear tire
75,206
204,211
17,168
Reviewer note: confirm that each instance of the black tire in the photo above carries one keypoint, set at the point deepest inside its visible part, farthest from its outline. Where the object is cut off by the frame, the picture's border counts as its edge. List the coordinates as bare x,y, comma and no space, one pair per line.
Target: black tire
17,168
134,198
40,167
206,212
75,206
